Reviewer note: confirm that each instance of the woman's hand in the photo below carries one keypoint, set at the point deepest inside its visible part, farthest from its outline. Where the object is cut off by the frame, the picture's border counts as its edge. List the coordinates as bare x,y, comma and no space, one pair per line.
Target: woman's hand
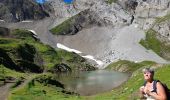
147,92
141,89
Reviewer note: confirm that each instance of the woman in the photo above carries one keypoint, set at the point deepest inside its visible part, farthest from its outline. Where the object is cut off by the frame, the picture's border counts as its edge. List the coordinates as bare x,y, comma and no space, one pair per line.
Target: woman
148,91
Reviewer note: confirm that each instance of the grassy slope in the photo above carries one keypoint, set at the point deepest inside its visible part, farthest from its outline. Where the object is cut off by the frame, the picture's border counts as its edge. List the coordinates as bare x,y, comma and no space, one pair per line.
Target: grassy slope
5,72
11,43
65,26
127,91
45,55
37,90
152,42
128,66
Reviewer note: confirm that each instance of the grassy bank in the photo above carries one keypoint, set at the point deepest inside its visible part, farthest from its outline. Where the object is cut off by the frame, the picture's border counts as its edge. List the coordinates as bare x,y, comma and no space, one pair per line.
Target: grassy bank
128,66
43,87
127,91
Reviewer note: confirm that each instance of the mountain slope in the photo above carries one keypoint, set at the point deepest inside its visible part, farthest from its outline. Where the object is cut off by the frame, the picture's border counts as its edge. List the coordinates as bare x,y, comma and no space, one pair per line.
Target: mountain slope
19,10
22,51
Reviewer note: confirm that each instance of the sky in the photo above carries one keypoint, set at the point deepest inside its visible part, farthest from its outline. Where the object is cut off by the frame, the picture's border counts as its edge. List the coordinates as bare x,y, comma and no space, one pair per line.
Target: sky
40,1
68,1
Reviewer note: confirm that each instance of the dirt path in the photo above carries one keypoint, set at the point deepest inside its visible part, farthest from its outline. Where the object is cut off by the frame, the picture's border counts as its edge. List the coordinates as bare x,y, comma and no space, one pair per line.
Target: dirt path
4,91
28,79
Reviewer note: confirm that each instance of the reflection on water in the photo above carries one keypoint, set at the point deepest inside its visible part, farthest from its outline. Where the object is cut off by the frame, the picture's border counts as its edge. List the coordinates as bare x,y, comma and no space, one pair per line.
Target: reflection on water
92,82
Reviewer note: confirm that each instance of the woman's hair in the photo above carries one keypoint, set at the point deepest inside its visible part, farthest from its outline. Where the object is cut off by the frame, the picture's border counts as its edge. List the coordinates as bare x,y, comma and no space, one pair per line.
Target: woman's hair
148,70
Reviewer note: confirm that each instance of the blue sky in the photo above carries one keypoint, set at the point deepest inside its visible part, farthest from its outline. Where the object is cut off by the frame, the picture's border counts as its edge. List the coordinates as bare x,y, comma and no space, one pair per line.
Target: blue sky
68,1
40,1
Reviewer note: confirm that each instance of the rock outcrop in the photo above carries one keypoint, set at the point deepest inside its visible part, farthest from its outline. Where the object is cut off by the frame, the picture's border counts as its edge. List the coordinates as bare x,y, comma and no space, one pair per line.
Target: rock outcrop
19,10
84,19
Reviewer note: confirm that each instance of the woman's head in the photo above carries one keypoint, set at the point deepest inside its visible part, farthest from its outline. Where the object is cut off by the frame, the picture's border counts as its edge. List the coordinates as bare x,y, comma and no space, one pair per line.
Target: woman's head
148,74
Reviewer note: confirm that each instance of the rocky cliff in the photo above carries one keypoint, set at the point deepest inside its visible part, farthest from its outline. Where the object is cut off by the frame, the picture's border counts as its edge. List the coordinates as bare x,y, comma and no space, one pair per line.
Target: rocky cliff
19,10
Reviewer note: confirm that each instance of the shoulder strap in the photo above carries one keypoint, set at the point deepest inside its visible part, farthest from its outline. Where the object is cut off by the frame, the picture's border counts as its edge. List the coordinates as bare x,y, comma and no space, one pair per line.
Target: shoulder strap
154,86
144,84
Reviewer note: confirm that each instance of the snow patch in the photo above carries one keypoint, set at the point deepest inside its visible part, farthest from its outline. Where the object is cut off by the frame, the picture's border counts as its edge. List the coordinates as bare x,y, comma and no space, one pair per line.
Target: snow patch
61,46
34,33
92,58
2,21
26,21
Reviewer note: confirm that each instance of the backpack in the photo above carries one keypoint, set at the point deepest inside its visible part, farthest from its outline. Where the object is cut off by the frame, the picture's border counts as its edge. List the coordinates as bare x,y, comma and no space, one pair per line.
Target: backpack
167,90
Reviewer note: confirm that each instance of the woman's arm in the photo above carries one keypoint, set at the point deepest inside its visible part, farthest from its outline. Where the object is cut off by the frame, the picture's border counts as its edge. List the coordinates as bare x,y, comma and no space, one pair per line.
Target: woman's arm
161,94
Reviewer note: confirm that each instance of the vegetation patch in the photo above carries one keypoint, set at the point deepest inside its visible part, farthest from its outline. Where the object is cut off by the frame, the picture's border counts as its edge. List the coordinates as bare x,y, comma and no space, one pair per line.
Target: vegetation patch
111,1
63,28
128,66
8,75
162,19
21,51
48,88
18,82
152,42
43,87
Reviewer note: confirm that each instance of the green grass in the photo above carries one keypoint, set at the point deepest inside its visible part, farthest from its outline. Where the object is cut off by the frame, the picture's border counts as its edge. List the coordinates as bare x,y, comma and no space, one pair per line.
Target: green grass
5,72
11,73
63,27
44,55
40,91
162,19
8,43
159,47
111,1
151,41
127,91
128,66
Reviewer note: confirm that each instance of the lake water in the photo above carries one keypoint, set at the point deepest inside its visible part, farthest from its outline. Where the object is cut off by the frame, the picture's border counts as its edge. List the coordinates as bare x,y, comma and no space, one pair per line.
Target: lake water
93,82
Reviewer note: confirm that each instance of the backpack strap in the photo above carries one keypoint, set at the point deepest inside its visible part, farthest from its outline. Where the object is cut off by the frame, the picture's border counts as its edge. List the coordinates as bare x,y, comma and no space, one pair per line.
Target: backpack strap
154,85
144,84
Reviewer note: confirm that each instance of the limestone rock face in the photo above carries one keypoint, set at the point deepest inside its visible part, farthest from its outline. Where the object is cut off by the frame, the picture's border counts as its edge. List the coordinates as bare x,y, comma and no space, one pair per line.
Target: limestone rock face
19,10
152,8
121,13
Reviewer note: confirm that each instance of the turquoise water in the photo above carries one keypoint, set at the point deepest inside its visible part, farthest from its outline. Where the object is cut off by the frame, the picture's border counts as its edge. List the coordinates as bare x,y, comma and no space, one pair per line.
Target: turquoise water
68,1
93,82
